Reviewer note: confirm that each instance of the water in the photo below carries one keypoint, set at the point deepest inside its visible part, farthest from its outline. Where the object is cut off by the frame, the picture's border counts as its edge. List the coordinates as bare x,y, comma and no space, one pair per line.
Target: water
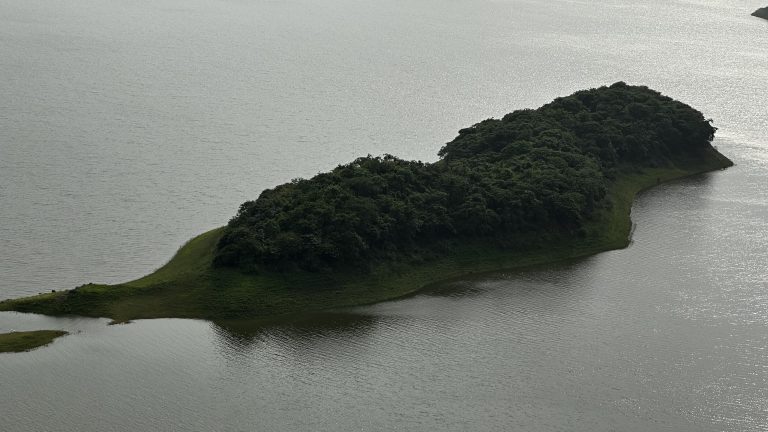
127,127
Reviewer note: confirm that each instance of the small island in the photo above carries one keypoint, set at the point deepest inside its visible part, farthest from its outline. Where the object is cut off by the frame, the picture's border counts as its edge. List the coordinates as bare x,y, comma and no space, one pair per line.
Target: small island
25,341
536,186
761,13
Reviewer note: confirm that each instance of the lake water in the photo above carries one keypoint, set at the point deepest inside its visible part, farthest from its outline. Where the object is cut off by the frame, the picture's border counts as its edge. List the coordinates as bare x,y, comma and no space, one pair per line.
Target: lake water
129,126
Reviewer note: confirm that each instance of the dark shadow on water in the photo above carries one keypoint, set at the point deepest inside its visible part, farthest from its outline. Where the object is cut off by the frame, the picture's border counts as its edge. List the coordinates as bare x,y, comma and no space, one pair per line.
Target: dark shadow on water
305,328
245,334
476,284
317,331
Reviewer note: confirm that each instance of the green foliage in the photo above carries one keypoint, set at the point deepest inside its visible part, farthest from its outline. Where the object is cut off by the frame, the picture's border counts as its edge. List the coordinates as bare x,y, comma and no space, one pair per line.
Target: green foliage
533,171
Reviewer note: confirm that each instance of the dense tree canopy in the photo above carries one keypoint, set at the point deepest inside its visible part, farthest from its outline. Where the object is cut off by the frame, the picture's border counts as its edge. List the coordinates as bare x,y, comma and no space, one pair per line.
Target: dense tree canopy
532,171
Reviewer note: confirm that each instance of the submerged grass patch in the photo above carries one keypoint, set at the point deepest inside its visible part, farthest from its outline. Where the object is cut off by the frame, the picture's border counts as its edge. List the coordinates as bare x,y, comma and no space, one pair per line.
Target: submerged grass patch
26,341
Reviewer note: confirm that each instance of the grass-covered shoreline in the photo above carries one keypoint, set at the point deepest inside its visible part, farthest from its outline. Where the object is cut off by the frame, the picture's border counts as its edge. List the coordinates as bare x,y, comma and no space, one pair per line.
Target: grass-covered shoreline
25,341
188,286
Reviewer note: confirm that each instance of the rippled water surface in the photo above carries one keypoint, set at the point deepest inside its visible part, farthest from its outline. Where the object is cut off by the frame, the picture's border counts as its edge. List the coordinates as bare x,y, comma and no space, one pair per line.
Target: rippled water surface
127,127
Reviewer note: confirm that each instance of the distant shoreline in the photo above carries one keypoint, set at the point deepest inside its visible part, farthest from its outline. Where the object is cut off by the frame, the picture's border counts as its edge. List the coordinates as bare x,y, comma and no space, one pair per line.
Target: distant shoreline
761,13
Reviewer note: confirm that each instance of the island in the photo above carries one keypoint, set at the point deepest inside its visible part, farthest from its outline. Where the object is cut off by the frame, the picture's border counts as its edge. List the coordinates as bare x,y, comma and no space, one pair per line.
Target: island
536,186
761,13
25,341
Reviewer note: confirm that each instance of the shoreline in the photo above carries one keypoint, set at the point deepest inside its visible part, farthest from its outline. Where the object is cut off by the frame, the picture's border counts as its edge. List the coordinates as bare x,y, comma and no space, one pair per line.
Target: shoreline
188,287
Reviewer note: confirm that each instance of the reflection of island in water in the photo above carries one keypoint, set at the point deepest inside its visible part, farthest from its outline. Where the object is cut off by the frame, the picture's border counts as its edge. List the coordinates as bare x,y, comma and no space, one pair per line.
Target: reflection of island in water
761,13
244,333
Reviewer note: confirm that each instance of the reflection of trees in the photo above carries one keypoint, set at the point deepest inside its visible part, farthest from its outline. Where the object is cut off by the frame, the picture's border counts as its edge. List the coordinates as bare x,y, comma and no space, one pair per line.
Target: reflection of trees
291,331
566,273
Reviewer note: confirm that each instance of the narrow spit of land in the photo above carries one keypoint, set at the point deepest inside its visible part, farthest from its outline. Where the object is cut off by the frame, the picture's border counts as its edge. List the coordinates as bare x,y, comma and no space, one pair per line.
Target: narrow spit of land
761,13
26,341
534,187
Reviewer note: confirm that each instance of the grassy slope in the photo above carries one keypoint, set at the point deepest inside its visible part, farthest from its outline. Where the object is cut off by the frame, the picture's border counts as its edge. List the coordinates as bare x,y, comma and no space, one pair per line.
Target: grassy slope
25,341
187,287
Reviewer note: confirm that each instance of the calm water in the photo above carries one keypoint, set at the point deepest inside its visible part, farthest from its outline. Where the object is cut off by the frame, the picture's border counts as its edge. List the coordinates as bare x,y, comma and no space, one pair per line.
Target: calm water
128,126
